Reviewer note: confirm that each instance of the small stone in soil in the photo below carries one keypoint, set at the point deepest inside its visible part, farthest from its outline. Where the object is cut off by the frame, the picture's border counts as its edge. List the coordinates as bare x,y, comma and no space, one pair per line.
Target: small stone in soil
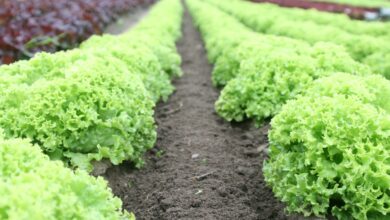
249,145
166,203
245,170
251,171
251,153
246,136
174,209
266,151
194,156
198,192
222,191
196,203
240,170
262,147
203,176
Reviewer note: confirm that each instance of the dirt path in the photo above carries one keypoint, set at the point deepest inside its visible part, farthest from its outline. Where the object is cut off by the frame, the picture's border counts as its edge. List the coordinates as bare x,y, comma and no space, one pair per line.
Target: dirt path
202,167
127,21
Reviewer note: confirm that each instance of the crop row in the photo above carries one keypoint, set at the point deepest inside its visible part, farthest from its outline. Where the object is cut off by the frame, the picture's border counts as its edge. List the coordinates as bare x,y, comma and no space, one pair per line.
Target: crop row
354,12
373,51
27,27
330,135
80,106
357,27
367,3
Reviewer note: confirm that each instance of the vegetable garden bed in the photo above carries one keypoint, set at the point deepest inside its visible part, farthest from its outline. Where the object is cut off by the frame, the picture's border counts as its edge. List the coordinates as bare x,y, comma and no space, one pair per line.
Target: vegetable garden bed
273,118
27,27
202,167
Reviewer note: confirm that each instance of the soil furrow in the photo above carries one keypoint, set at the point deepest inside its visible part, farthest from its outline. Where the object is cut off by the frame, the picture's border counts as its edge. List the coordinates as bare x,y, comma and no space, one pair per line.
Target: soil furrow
202,167
128,20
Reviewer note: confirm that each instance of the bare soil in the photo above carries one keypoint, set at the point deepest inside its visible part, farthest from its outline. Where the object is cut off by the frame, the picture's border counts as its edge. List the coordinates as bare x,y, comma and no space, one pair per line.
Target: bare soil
202,166
127,21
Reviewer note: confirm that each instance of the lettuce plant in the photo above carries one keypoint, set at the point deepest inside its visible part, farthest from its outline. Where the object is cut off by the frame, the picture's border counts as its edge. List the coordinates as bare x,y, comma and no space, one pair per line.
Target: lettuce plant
265,83
34,187
97,101
139,60
371,89
228,64
331,154
273,20
94,112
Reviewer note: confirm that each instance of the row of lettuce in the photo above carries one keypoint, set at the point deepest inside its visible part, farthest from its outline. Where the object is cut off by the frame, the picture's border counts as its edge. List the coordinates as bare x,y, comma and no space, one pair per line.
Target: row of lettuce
330,135
365,42
366,3
72,108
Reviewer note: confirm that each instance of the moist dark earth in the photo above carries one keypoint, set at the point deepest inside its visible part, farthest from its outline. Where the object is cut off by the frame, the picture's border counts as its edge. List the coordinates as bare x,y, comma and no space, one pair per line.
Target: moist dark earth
202,167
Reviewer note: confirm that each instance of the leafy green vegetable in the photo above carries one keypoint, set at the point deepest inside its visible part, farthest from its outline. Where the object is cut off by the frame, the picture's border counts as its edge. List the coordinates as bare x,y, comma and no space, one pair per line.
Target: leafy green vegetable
330,144
50,66
371,89
95,111
265,83
158,32
261,72
228,64
95,102
271,19
33,187
331,153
